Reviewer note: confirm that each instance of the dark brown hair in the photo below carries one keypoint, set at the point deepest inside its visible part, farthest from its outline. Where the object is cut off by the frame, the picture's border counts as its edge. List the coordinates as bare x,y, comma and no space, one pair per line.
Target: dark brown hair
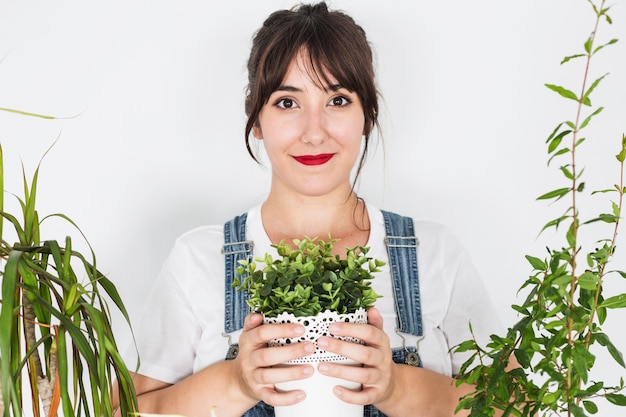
336,45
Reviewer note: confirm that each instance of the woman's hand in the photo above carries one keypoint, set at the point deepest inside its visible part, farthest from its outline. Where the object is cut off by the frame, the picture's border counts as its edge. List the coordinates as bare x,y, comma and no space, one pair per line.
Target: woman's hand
377,373
257,370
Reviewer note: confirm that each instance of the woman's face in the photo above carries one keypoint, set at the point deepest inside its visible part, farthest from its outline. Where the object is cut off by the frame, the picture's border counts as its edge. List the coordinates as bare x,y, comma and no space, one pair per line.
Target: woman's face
312,135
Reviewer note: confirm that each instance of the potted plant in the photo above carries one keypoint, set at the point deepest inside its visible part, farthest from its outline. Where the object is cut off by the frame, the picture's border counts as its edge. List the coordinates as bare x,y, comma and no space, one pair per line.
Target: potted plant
559,333
57,348
311,286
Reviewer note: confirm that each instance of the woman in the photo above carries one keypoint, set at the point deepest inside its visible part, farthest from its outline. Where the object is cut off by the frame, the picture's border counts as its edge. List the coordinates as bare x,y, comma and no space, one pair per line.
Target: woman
312,103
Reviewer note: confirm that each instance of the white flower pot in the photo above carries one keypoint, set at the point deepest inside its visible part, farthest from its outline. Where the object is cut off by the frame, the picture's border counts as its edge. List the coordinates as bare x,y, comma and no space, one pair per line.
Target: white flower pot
320,400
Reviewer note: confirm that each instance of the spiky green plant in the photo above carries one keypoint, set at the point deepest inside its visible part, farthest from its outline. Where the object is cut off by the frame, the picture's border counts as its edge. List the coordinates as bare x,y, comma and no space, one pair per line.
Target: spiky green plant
55,321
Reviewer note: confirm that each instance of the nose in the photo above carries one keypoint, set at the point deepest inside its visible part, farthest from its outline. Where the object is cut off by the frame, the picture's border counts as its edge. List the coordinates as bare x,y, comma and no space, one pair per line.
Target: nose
314,132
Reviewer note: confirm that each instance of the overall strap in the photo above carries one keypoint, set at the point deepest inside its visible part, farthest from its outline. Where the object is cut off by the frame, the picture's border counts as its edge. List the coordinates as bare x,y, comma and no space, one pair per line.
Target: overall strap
235,248
402,246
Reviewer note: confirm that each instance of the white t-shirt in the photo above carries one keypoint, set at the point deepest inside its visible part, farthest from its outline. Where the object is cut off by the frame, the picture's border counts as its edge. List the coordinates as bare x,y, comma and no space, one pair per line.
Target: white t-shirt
181,331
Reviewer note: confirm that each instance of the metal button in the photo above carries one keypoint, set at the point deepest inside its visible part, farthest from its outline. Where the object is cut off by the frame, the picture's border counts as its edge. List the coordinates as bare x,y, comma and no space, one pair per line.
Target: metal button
233,351
412,358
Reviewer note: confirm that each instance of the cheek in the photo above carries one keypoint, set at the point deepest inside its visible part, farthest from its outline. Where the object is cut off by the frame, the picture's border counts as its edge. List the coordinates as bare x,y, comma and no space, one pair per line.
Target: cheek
350,133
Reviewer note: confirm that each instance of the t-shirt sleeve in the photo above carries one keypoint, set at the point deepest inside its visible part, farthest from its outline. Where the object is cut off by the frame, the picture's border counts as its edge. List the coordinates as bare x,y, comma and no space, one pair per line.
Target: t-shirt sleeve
469,304
168,332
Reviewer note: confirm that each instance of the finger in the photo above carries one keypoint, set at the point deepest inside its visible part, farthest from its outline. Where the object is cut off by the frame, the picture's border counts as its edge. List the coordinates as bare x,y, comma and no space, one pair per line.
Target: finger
349,372
363,397
352,373
260,334
276,355
281,331
369,334
282,373
366,376
375,318
367,355
251,321
274,398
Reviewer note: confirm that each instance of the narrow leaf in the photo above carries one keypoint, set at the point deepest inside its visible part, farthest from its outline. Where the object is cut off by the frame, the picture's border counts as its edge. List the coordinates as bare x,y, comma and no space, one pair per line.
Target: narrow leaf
611,42
563,92
593,86
559,193
588,119
618,301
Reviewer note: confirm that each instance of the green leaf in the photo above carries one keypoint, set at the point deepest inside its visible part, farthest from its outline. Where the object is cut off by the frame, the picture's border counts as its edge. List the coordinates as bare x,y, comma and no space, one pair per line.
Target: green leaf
590,90
522,357
606,218
558,193
556,141
555,222
25,113
567,173
582,361
576,411
8,321
564,92
536,263
617,399
588,281
604,340
588,44
549,398
554,132
618,301
569,58
621,156
611,42
558,153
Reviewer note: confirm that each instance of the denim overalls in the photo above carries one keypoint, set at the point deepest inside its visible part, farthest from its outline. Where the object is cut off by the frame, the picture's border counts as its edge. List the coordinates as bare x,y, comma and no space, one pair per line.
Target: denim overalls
402,248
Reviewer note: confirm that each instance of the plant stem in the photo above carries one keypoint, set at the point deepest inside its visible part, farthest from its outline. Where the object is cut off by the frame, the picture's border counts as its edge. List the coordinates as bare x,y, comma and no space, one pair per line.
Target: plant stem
613,241
29,333
575,225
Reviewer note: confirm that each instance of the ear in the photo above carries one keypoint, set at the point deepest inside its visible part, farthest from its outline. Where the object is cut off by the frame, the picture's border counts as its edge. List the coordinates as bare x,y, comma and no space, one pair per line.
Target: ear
257,132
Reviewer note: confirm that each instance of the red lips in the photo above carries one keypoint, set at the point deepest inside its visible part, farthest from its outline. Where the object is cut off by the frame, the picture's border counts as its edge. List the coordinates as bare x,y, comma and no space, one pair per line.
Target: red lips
314,159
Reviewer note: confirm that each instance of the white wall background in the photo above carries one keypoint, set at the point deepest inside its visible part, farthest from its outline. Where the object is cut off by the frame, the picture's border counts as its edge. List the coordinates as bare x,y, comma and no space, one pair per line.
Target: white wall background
156,144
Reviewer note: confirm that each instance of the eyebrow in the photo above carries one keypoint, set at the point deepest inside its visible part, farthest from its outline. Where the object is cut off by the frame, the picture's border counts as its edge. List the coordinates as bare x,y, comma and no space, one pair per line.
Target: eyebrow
289,88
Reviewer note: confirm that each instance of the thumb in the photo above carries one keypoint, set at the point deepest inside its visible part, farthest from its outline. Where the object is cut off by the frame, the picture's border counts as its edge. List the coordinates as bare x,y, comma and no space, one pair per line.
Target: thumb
252,320
375,318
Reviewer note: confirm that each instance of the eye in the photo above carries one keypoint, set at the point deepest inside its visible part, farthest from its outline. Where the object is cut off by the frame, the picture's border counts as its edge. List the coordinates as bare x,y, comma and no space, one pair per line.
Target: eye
286,103
339,101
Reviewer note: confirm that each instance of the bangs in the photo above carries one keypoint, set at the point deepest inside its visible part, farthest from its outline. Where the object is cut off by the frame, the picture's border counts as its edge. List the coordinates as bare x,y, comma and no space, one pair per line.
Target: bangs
328,55
325,71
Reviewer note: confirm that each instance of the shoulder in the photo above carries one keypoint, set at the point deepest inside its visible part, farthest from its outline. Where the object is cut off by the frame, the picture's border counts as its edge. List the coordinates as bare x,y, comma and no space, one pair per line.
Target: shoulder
427,231
207,239
434,233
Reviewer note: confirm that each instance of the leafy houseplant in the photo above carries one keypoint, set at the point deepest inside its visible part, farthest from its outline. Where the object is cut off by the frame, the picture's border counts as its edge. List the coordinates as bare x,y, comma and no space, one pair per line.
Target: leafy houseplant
309,279
566,306
311,286
55,321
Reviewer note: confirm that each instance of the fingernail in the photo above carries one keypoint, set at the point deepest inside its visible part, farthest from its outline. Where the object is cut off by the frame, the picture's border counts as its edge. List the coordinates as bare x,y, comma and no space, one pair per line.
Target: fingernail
322,342
333,328
323,367
300,396
298,330
309,348
308,370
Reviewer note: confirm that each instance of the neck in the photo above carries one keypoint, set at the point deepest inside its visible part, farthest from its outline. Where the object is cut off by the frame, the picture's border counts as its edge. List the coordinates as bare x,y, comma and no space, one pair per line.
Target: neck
344,218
